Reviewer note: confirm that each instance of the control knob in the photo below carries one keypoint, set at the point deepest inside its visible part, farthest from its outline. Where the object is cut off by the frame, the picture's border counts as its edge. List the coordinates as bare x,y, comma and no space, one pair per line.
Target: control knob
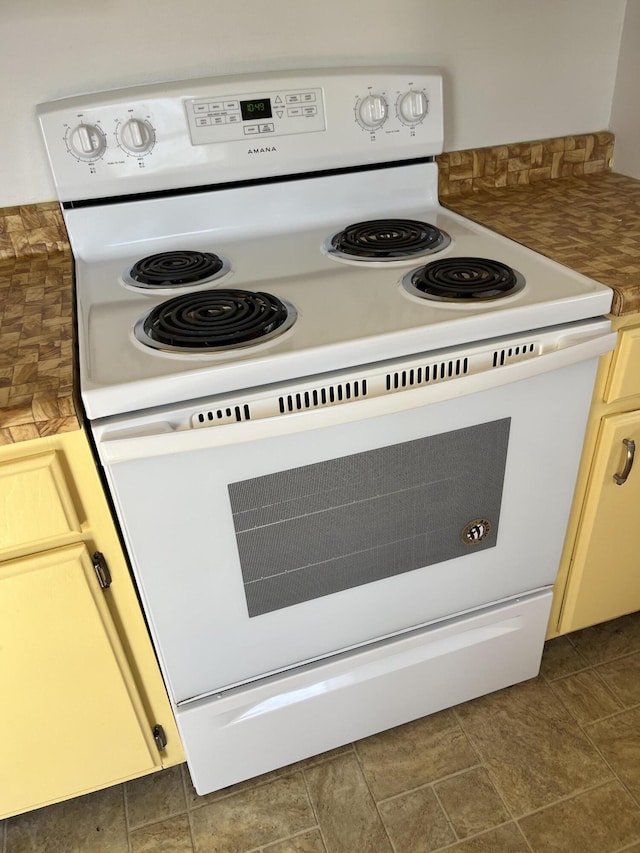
136,136
371,111
86,142
412,107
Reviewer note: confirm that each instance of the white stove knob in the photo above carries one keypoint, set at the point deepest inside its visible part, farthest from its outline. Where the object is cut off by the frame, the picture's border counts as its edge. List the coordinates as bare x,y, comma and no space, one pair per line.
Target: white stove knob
413,107
137,136
86,142
372,111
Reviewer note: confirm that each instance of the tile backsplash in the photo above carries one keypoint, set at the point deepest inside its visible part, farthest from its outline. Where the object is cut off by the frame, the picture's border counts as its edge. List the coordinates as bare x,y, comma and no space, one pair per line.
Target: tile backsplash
33,229
465,172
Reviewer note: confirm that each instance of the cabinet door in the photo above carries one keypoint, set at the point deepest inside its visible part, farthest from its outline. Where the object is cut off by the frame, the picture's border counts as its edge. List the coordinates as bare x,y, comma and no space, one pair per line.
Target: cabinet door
70,718
36,508
604,580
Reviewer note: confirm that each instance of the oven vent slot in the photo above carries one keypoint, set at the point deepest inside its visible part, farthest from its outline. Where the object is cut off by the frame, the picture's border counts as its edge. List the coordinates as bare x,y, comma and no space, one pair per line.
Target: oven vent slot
316,398
228,415
513,353
427,375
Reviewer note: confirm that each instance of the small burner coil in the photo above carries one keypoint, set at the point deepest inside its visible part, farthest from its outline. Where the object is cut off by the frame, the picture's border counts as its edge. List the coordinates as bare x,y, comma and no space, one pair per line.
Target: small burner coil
214,319
465,279
388,239
174,269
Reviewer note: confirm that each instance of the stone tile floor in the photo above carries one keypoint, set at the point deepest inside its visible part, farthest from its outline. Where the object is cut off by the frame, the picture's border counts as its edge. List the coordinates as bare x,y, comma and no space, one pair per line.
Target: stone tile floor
548,766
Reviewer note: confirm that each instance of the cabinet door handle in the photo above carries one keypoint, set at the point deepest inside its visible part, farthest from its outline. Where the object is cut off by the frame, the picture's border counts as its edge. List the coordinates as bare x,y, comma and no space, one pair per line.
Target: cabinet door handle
621,478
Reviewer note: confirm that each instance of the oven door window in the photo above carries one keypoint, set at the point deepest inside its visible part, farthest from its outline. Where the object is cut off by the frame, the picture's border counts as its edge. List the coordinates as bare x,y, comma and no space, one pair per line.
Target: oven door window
320,529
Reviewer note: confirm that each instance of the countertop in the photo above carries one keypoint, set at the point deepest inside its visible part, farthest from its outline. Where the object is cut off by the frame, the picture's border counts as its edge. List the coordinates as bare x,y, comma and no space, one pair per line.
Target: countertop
590,223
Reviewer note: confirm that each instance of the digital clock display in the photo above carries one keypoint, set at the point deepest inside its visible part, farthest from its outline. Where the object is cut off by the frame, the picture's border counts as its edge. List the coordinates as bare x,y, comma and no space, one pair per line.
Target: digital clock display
258,108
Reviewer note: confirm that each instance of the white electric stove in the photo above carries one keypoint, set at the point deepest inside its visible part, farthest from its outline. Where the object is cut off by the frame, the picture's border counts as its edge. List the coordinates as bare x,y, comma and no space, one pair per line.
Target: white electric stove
340,424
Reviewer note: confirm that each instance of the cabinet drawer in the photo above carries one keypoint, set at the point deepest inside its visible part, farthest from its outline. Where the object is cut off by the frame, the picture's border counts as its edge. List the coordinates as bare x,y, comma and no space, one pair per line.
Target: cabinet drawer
36,508
624,377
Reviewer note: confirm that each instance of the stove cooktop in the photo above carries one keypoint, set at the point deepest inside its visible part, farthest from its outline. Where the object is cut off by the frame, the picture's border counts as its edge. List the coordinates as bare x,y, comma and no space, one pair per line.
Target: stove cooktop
340,313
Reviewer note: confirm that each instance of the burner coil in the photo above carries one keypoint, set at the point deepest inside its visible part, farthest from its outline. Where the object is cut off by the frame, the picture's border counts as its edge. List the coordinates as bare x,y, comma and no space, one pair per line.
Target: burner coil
466,279
171,269
215,319
388,239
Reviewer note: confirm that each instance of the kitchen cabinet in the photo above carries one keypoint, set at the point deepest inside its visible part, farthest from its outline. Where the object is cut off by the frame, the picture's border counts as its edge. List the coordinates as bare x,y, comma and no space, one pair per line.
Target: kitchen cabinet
599,577
83,703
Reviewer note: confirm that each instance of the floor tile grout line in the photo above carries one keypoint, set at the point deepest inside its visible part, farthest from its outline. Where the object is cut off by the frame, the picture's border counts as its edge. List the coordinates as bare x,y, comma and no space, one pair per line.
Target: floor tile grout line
592,663
191,835
549,678
566,674
574,716
611,691
431,782
635,797
125,808
629,846
183,773
276,773
524,837
261,848
373,799
445,812
172,814
494,782
567,798
477,835
583,726
312,804
168,816
495,787
517,817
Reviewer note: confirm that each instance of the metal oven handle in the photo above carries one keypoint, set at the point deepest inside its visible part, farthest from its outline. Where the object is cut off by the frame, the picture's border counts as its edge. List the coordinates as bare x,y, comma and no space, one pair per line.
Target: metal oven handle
162,438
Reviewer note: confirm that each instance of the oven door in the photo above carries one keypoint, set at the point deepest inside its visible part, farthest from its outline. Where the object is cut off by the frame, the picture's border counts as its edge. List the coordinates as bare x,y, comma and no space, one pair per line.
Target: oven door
262,545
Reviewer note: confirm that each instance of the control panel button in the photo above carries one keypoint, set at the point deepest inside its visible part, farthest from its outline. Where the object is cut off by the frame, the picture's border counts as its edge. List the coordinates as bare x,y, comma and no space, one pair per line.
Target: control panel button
251,129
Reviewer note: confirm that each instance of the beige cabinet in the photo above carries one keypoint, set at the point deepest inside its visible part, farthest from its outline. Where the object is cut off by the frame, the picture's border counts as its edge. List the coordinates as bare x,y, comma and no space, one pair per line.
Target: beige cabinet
599,576
83,703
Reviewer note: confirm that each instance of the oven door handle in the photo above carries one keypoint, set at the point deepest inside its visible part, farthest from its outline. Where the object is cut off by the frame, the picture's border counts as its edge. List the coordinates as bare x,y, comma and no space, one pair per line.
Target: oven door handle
160,438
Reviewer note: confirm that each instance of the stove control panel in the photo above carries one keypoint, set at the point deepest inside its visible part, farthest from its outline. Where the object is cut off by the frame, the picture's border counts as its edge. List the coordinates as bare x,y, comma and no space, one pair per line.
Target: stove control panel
246,127
255,116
